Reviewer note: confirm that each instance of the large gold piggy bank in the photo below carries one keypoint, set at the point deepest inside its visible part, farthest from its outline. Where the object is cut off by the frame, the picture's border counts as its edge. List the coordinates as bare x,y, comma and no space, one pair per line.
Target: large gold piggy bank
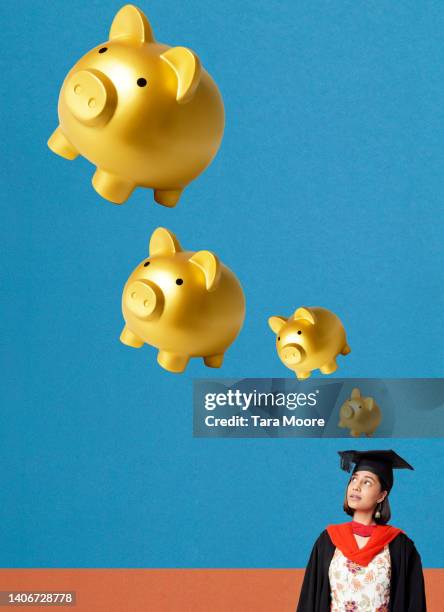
144,113
310,339
186,304
360,414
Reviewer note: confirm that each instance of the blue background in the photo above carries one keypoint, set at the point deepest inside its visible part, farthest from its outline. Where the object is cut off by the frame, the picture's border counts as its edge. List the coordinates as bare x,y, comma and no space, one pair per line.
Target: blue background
327,190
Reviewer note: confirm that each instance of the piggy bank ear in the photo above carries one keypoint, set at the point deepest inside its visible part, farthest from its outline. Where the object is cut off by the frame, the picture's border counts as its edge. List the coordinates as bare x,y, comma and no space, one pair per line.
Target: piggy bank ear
163,242
369,403
186,66
355,394
210,266
306,314
276,323
130,22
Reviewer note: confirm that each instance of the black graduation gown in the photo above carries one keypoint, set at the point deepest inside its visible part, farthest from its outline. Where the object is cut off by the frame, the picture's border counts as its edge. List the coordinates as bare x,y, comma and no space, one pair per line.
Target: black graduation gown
407,593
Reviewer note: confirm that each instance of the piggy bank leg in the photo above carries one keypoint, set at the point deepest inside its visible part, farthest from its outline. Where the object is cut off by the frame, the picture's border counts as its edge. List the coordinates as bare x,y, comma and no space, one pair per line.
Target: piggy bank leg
355,434
346,350
214,361
112,187
167,197
302,375
172,361
130,339
329,367
60,145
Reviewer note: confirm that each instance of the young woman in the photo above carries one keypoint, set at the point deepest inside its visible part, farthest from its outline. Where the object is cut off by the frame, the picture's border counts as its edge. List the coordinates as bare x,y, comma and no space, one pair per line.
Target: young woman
365,565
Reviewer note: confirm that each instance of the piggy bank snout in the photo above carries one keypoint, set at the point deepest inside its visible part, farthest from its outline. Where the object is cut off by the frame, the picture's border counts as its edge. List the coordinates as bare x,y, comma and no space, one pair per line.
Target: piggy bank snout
347,411
144,299
90,96
292,354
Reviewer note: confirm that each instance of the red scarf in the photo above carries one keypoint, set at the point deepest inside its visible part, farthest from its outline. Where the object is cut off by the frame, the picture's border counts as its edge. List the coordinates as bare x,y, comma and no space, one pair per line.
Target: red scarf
343,538
362,530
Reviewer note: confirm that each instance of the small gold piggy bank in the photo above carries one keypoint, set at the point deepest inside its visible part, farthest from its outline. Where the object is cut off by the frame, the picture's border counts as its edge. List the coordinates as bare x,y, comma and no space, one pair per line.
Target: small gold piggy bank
360,414
310,339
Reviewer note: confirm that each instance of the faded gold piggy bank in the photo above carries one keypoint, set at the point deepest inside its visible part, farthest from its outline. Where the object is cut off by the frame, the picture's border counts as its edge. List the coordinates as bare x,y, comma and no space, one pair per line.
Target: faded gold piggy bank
310,339
360,414
144,113
186,304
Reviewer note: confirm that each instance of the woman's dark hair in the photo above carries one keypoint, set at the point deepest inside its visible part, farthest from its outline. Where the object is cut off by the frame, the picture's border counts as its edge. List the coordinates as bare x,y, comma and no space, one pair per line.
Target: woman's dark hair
383,508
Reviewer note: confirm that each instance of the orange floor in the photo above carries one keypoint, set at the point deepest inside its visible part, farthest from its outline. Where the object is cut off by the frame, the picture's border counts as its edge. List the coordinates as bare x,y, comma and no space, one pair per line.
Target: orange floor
189,590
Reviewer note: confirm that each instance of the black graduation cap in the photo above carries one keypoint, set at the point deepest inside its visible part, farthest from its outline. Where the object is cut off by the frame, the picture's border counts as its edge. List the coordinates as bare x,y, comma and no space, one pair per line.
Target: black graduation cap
379,462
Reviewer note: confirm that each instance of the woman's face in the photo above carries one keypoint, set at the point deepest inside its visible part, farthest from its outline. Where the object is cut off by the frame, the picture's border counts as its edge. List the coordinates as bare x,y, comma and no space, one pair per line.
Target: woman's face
364,491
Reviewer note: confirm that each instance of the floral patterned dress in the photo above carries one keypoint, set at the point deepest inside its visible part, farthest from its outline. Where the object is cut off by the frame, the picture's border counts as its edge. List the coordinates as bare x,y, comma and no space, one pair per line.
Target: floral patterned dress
360,589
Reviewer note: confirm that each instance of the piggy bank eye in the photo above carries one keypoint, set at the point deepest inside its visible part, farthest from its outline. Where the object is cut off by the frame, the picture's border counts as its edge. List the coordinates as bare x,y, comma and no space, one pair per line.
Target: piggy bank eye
179,281
141,82
299,332
147,263
103,49
279,337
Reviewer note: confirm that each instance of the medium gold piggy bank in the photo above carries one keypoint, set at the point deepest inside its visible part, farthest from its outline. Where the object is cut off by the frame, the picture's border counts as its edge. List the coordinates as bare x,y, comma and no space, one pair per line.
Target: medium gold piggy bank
186,304
144,113
312,338
360,414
